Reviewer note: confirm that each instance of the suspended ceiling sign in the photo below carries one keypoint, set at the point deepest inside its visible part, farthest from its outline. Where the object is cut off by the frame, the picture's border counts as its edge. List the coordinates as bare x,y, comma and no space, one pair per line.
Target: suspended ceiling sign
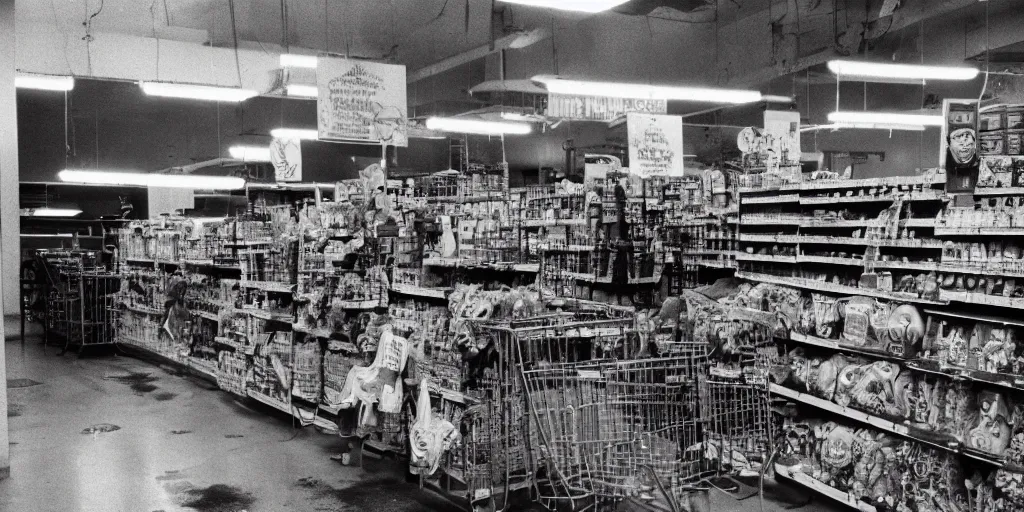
361,101
655,144
592,108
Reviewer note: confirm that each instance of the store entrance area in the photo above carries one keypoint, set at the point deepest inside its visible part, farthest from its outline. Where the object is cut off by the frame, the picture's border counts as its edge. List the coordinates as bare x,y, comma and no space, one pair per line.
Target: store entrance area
182,445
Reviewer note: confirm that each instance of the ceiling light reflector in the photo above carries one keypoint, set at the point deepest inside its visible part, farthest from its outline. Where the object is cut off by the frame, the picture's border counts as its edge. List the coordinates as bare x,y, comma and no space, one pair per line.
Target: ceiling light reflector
451,124
642,91
295,133
291,60
590,6
197,92
875,71
44,83
301,90
250,153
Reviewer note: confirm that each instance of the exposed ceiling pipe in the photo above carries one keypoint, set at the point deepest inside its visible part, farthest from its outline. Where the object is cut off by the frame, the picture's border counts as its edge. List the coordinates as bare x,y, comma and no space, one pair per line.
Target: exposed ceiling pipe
512,41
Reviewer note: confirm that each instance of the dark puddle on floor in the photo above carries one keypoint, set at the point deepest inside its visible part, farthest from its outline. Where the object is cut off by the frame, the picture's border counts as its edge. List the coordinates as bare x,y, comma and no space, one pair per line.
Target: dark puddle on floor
164,396
215,498
233,436
101,428
139,382
180,432
14,410
374,495
21,383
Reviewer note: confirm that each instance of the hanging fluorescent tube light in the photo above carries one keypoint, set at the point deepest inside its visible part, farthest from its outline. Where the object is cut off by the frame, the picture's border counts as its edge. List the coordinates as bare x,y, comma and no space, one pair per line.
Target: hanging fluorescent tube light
479,127
295,133
880,71
250,153
44,83
197,92
50,212
642,91
152,180
291,60
864,126
301,90
590,6
885,118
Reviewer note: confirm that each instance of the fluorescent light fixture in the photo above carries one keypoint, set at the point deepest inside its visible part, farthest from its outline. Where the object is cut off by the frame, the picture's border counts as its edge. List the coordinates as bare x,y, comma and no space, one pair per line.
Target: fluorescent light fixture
864,126
572,5
301,90
291,60
250,153
515,116
152,180
44,83
451,124
294,133
50,212
885,118
875,71
642,91
197,92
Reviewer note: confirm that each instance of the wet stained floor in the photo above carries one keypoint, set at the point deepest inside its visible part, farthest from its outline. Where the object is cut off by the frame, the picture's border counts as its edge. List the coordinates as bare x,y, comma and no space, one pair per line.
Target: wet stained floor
115,434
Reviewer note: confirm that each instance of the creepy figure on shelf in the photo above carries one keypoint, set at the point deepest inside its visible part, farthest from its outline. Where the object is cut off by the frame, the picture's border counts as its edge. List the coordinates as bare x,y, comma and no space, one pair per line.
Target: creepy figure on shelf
991,432
963,164
175,314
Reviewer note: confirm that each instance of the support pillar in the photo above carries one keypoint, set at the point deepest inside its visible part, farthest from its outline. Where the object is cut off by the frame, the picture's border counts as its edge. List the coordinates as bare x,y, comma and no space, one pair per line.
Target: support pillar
10,222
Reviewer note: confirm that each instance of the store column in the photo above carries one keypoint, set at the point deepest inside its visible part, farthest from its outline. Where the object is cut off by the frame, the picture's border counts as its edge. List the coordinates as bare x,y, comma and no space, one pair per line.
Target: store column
10,238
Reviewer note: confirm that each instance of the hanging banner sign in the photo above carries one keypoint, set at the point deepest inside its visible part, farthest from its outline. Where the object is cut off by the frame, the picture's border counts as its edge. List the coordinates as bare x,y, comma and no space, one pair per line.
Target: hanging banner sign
655,144
361,101
286,155
593,108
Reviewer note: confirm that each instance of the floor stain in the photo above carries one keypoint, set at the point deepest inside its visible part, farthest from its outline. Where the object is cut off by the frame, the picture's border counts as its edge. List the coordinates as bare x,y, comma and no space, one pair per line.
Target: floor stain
101,428
14,410
170,475
21,383
180,432
232,436
164,396
140,382
215,498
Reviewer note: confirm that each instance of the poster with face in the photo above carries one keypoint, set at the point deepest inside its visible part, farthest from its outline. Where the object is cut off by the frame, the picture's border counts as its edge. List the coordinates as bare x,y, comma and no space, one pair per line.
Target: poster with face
959,154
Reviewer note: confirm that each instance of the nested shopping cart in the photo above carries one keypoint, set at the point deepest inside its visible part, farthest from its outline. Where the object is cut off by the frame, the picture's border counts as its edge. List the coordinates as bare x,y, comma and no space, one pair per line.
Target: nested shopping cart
614,433
495,458
80,296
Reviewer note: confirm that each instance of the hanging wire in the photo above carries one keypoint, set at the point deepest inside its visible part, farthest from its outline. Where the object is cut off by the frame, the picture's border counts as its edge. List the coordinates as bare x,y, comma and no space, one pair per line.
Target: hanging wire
152,17
234,36
988,56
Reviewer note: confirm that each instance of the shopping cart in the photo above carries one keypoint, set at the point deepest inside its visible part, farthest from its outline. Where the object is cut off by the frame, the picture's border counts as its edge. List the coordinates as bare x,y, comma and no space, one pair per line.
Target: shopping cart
605,433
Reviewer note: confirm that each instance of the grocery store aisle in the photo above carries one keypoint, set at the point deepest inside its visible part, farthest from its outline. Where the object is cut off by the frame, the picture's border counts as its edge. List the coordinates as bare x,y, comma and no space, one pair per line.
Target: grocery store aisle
180,445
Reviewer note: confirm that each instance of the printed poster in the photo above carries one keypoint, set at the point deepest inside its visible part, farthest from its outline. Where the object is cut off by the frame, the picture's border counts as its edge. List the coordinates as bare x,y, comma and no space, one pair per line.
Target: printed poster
286,156
655,144
361,101
782,138
959,146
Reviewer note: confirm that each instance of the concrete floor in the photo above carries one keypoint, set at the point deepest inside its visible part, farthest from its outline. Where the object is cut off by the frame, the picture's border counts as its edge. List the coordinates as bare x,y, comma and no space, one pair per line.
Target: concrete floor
183,446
